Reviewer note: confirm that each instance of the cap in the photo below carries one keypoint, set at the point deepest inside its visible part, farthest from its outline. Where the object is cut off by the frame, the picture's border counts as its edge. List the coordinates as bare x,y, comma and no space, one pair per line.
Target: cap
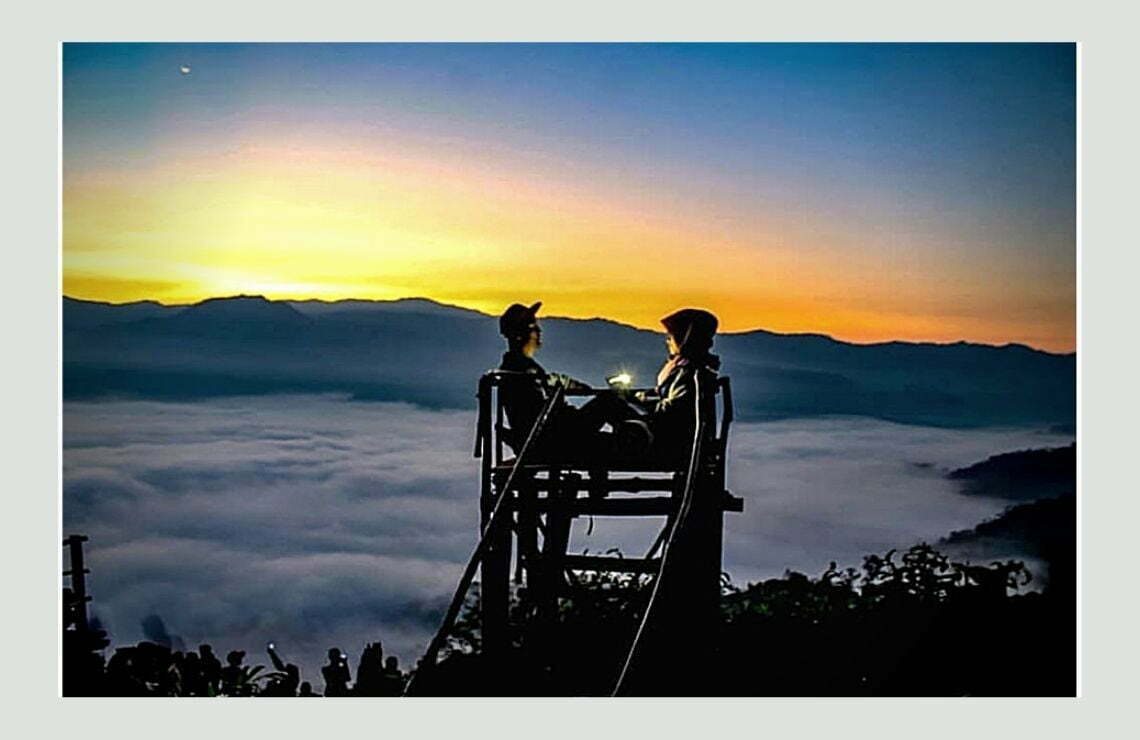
517,318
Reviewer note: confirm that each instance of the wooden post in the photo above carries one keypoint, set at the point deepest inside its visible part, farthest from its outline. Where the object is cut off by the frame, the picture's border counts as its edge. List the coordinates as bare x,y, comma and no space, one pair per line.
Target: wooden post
527,517
691,626
556,537
494,586
682,635
78,580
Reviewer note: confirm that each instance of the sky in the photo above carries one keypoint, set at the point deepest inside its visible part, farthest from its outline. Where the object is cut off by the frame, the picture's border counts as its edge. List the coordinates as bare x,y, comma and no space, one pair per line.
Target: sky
316,521
866,191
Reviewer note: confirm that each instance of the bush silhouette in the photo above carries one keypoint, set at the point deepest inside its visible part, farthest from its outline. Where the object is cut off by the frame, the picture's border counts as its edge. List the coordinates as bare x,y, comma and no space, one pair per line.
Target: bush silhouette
904,624
913,623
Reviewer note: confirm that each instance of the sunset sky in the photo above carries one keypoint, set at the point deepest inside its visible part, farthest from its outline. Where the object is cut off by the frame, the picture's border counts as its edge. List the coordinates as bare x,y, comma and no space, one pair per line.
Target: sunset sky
866,191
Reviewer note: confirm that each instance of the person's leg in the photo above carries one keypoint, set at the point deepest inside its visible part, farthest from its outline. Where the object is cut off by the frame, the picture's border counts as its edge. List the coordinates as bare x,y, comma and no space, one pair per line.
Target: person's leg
631,438
583,443
606,408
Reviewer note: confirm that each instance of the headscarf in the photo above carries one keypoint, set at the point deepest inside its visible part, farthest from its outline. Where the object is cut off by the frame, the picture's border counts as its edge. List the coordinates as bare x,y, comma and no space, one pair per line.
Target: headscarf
693,329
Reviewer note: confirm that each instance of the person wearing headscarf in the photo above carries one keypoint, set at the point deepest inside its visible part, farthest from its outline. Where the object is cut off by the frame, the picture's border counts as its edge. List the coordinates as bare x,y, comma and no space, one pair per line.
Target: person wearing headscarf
690,362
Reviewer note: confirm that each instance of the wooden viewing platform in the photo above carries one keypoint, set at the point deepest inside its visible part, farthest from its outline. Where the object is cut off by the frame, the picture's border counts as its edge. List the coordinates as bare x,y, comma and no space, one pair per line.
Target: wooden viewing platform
545,496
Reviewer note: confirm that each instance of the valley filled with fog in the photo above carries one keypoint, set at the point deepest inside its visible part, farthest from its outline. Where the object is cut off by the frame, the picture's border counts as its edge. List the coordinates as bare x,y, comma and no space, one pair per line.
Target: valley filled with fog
318,520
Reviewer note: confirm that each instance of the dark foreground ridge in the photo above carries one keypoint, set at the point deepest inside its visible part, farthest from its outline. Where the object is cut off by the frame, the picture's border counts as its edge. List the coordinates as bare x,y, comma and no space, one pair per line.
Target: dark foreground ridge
909,624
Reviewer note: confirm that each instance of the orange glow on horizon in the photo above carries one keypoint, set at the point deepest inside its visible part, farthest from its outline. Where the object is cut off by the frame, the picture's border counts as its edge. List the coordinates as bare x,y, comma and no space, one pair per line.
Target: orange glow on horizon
775,318
331,222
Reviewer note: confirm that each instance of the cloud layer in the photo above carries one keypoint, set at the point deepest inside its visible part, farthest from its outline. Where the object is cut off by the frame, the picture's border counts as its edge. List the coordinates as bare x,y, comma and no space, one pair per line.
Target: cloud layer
316,521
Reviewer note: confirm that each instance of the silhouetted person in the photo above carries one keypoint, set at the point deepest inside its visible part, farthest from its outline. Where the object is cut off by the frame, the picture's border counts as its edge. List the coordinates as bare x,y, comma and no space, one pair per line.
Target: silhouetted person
370,671
178,661
193,682
394,680
232,674
143,670
672,413
336,674
306,689
124,677
211,668
288,680
569,430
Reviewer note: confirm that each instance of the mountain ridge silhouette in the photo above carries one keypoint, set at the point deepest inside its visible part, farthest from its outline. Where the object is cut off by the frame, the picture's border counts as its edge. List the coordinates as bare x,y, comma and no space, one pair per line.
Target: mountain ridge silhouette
431,354
342,305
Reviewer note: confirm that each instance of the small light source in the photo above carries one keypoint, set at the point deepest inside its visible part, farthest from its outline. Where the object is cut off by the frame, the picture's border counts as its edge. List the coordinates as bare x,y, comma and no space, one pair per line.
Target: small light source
621,379
184,69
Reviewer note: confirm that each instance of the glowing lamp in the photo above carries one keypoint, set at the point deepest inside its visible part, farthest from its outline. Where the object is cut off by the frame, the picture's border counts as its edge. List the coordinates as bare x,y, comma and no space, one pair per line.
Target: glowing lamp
621,379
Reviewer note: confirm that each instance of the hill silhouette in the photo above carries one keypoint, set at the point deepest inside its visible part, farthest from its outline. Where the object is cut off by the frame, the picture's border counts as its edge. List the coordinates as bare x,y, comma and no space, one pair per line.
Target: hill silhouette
91,314
236,310
1044,528
1024,475
430,354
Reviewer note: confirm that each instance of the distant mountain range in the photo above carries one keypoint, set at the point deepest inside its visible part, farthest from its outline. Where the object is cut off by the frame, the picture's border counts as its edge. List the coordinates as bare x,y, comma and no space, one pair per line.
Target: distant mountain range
423,352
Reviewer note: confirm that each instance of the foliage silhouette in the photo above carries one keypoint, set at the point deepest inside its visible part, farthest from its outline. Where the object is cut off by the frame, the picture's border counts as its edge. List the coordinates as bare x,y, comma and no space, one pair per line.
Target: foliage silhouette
909,623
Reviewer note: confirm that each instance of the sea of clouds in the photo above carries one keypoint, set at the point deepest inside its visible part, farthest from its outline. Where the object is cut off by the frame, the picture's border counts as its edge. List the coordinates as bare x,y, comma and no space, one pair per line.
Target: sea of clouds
318,521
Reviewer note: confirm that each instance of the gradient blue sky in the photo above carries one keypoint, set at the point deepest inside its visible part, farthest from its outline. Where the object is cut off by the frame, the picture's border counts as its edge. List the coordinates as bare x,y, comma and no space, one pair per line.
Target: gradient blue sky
869,191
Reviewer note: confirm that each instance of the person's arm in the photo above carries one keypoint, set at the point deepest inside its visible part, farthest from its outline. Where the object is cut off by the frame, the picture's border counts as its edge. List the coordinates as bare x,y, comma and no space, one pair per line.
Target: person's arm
277,664
647,398
570,384
678,396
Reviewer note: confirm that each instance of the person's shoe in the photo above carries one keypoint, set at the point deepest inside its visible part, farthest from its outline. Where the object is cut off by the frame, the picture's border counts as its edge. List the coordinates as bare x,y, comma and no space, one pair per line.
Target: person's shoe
633,439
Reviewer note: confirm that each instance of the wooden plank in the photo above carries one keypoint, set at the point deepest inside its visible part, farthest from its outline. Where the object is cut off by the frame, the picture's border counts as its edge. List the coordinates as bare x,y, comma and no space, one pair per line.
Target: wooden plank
610,485
608,564
639,506
635,485
506,465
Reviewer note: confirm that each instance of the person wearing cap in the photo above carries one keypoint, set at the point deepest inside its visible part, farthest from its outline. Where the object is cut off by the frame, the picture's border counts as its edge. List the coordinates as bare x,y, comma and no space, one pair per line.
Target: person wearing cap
672,417
570,431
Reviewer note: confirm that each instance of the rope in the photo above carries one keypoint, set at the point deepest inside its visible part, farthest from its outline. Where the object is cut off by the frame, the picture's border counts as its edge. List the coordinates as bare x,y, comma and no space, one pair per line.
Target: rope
682,513
481,549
